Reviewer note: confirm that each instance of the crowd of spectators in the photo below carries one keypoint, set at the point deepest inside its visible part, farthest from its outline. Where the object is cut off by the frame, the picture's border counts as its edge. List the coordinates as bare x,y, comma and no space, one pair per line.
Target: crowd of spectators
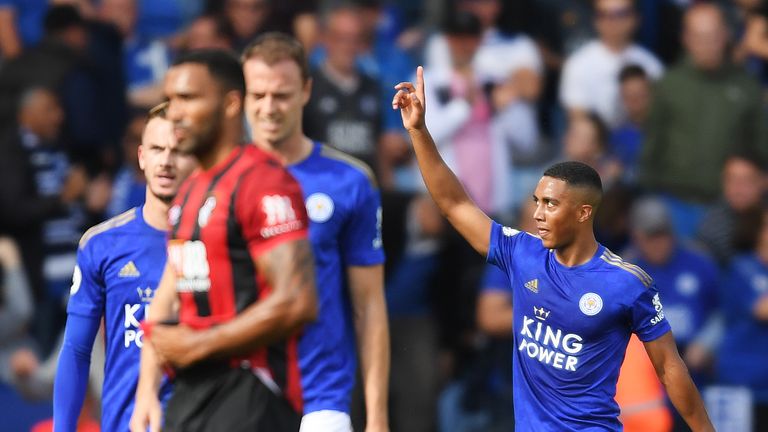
666,99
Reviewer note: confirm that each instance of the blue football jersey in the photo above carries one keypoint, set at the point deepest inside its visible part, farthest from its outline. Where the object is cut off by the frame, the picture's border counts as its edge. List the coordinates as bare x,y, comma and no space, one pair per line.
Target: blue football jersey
344,210
119,265
495,280
571,329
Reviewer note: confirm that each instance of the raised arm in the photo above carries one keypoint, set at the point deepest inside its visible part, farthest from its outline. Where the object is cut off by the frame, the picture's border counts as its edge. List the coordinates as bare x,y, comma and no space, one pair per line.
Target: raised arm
677,381
443,186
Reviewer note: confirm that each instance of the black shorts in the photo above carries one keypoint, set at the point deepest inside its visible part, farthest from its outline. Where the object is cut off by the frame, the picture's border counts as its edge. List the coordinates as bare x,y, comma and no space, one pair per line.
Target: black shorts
218,398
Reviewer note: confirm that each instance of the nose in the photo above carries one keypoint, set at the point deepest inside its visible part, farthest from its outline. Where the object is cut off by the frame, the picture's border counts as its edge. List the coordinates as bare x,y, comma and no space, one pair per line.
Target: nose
173,111
538,214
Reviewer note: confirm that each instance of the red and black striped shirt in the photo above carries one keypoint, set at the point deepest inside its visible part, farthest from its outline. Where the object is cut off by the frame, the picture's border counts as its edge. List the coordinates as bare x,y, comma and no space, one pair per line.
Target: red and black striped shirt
222,219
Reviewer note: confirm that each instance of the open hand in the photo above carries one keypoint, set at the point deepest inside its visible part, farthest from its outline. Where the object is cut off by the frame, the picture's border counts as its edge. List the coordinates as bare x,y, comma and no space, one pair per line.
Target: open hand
411,101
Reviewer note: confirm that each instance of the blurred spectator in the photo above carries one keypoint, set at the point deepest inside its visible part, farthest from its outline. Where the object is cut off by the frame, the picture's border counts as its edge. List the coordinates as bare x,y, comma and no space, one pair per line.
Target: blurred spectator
208,32
380,58
461,116
752,37
248,19
508,67
50,63
145,60
686,279
165,18
80,70
590,75
687,282
627,138
414,332
21,25
42,204
586,140
703,109
31,192
743,354
727,229
16,306
129,186
344,109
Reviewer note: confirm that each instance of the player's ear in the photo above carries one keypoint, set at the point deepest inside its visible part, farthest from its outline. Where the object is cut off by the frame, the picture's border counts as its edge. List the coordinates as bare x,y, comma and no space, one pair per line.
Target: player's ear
140,152
585,212
233,103
306,92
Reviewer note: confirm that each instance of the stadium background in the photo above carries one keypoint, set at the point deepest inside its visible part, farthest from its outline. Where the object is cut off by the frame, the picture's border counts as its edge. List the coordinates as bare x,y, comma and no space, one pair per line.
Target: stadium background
674,121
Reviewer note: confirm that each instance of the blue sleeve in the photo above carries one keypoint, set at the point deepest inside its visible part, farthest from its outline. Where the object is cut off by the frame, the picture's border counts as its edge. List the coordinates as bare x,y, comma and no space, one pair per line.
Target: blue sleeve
361,243
71,380
647,315
501,246
86,297
495,280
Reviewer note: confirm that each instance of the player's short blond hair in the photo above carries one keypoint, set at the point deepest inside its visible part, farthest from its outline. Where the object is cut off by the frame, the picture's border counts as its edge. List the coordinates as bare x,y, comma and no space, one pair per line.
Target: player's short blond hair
274,47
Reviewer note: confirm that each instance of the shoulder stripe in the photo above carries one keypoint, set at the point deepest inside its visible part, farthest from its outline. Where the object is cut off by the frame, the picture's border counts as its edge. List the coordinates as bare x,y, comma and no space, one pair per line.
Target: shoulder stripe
338,155
637,269
639,273
634,266
107,225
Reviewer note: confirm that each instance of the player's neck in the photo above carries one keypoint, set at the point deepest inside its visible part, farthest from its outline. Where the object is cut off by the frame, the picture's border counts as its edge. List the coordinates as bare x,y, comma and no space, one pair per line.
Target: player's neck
291,150
581,251
155,212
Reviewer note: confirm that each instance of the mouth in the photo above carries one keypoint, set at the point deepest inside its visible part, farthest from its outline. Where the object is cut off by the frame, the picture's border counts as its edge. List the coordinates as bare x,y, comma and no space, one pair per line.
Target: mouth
166,179
542,231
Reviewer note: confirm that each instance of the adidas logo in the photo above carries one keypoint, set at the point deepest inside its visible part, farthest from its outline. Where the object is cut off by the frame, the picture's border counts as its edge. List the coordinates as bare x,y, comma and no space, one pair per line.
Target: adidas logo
533,285
129,270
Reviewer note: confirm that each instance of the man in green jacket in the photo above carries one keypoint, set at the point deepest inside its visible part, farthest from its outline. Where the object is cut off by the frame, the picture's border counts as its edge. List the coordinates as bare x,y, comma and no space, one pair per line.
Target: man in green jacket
705,108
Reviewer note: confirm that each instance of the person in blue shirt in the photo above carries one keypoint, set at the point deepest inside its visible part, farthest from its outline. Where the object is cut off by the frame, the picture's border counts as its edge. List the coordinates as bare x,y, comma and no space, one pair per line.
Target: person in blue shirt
119,264
743,354
344,209
687,279
576,302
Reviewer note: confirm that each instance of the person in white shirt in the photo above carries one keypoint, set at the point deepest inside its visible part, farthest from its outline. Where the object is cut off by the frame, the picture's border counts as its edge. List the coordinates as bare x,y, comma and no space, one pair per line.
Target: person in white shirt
590,76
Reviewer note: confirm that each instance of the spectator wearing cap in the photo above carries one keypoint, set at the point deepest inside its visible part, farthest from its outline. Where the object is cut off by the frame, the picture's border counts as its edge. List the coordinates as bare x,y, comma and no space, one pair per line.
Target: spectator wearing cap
686,279
727,229
589,81
743,354
704,109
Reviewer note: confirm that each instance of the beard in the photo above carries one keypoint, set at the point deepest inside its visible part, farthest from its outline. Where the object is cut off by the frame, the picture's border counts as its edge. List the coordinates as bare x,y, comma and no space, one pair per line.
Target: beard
202,142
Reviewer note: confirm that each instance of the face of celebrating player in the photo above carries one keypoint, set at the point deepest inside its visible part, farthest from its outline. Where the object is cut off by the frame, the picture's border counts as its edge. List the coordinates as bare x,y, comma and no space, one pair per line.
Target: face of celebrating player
560,210
196,107
276,95
164,166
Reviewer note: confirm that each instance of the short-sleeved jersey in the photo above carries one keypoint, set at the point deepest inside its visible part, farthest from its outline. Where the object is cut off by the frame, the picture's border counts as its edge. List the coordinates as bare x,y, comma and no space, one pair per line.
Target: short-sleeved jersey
222,220
571,329
494,279
344,210
119,265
